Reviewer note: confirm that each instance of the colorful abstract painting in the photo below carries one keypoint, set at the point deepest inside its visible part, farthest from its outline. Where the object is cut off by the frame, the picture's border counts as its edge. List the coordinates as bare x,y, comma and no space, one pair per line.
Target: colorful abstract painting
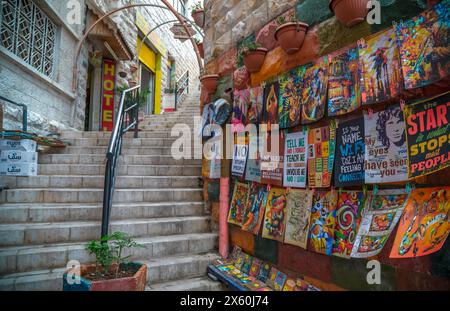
270,104
275,215
424,224
298,212
238,203
247,264
240,106
291,84
424,46
343,81
348,216
295,159
272,277
381,77
254,210
280,280
256,267
264,272
255,107
323,214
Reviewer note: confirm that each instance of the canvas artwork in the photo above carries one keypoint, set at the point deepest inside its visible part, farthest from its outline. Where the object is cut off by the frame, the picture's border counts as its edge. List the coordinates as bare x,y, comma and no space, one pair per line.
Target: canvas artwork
289,285
247,264
290,97
424,224
255,107
270,103
385,143
382,212
343,80
264,272
253,168
295,159
254,210
280,280
275,216
298,212
239,160
424,48
238,203
272,277
272,159
255,268
314,91
321,150
381,77
240,105
348,216
323,214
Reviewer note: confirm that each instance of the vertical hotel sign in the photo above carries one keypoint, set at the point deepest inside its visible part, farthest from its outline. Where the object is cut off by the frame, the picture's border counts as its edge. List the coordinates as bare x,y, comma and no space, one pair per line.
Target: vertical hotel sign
108,86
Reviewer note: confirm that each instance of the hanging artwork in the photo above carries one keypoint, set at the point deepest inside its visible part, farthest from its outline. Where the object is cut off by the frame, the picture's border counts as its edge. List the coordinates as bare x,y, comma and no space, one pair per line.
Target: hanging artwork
381,78
295,159
350,150
290,97
275,216
240,105
343,91
298,211
254,210
270,107
239,160
385,143
348,216
321,150
381,214
255,107
323,213
314,91
253,168
424,48
424,224
272,158
238,202
427,131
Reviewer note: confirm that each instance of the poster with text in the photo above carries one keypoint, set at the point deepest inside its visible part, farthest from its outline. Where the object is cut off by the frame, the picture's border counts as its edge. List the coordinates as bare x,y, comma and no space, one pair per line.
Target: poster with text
255,107
275,215
272,160
350,150
238,203
424,224
291,84
253,168
381,214
270,103
240,104
428,135
239,160
295,159
254,209
298,212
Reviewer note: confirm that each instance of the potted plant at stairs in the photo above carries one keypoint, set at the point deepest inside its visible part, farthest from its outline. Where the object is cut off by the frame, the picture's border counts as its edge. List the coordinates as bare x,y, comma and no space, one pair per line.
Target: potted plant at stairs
111,271
349,12
254,56
198,14
209,82
291,35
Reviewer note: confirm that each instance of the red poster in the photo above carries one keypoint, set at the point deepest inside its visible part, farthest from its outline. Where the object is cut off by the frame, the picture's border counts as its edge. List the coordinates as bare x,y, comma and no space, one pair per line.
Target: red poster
108,86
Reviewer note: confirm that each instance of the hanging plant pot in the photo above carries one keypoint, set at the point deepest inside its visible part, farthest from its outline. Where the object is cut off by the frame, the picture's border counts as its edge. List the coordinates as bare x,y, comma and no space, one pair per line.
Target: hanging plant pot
209,83
290,36
349,12
254,59
199,17
201,50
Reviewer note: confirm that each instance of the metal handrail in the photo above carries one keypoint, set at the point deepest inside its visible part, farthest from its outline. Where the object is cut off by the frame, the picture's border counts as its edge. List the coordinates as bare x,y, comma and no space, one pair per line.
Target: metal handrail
126,119
181,87
24,112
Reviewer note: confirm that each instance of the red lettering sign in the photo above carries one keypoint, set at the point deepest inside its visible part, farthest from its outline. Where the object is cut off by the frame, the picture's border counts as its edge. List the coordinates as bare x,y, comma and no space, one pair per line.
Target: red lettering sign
108,86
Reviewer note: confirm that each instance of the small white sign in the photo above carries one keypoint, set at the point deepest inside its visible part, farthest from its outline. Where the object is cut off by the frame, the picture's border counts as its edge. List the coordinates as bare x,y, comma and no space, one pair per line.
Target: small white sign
14,156
18,169
20,145
239,160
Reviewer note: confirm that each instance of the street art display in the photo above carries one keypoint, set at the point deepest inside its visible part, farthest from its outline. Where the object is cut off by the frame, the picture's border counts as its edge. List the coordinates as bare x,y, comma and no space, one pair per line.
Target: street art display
280,280
272,277
323,213
321,151
349,210
272,160
289,285
255,107
385,143
253,168
314,91
240,104
270,103
424,48
264,272
381,77
290,97
275,215
238,203
343,81
298,212
424,224
295,159
247,264
350,151
256,266
427,131
254,210
239,160
382,212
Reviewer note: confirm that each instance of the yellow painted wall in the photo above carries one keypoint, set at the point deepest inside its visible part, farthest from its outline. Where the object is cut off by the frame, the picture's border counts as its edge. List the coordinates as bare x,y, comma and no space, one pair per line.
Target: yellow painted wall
153,61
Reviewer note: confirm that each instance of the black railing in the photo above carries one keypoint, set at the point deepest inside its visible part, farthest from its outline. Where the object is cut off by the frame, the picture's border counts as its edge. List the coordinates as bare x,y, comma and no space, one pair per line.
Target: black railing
127,118
24,112
181,88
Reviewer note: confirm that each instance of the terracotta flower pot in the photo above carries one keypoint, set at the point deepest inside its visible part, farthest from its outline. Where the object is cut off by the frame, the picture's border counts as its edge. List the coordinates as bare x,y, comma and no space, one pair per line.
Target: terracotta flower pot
201,50
254,59
349,12
199,18
136,282
290,36
209,83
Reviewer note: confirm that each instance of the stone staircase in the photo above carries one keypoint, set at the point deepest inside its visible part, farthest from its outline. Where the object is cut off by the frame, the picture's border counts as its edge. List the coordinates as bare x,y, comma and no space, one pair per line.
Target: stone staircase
46,220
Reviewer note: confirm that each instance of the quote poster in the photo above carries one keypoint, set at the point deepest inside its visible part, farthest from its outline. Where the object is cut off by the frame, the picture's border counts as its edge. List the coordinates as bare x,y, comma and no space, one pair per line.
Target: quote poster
298,210
295,159
272,161
239,160
253,168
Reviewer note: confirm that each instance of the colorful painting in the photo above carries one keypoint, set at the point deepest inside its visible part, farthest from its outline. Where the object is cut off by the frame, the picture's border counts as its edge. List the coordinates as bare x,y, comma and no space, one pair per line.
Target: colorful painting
289,285
424,224
254,210
240,105
298,212
280,280
323,214
270,106
264,272
381,78
290,97
424,46
321,150
238,203
295,159
382,212
385,143
343,90
272,158
247,264
256,266
348,216
314,91
255,107
275,216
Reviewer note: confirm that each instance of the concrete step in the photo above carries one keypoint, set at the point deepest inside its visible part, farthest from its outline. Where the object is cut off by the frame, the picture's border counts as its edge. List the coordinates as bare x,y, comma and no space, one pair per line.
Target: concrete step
126,150
127,142
124,159
189,285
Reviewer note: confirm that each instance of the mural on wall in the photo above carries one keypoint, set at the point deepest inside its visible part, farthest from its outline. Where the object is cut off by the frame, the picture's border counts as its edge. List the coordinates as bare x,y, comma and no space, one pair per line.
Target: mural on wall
385,141
321,150
275,216
381,214
270,103
240,105
348,216
343,78
295,159
291,84
424,224
323,213
314,91
272,162
238,203
381,78
298,211
254,210
424,48
255,107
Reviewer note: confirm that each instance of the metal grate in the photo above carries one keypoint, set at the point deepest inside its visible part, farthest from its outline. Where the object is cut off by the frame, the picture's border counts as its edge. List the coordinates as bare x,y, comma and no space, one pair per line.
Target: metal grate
27,32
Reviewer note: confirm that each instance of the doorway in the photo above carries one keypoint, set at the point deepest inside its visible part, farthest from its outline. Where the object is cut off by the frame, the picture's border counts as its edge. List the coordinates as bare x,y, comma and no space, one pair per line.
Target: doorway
148,86
88,112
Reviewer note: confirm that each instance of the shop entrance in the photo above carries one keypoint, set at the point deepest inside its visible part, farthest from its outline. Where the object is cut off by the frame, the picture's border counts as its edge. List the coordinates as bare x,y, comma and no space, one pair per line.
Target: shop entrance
88,112
148,88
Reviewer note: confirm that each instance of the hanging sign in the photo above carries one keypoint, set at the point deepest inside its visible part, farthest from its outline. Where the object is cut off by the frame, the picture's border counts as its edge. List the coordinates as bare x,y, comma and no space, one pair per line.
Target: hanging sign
295,159
108,87
239,160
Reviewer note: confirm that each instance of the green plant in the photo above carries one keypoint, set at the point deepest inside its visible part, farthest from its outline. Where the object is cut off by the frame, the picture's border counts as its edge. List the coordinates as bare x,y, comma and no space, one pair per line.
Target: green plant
131,98
197,7
248,46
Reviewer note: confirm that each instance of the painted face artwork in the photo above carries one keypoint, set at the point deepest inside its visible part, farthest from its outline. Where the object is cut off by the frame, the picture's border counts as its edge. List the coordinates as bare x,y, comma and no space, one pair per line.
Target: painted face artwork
271,98
275,216
290,97
254,211
255,107
240,105
238,203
